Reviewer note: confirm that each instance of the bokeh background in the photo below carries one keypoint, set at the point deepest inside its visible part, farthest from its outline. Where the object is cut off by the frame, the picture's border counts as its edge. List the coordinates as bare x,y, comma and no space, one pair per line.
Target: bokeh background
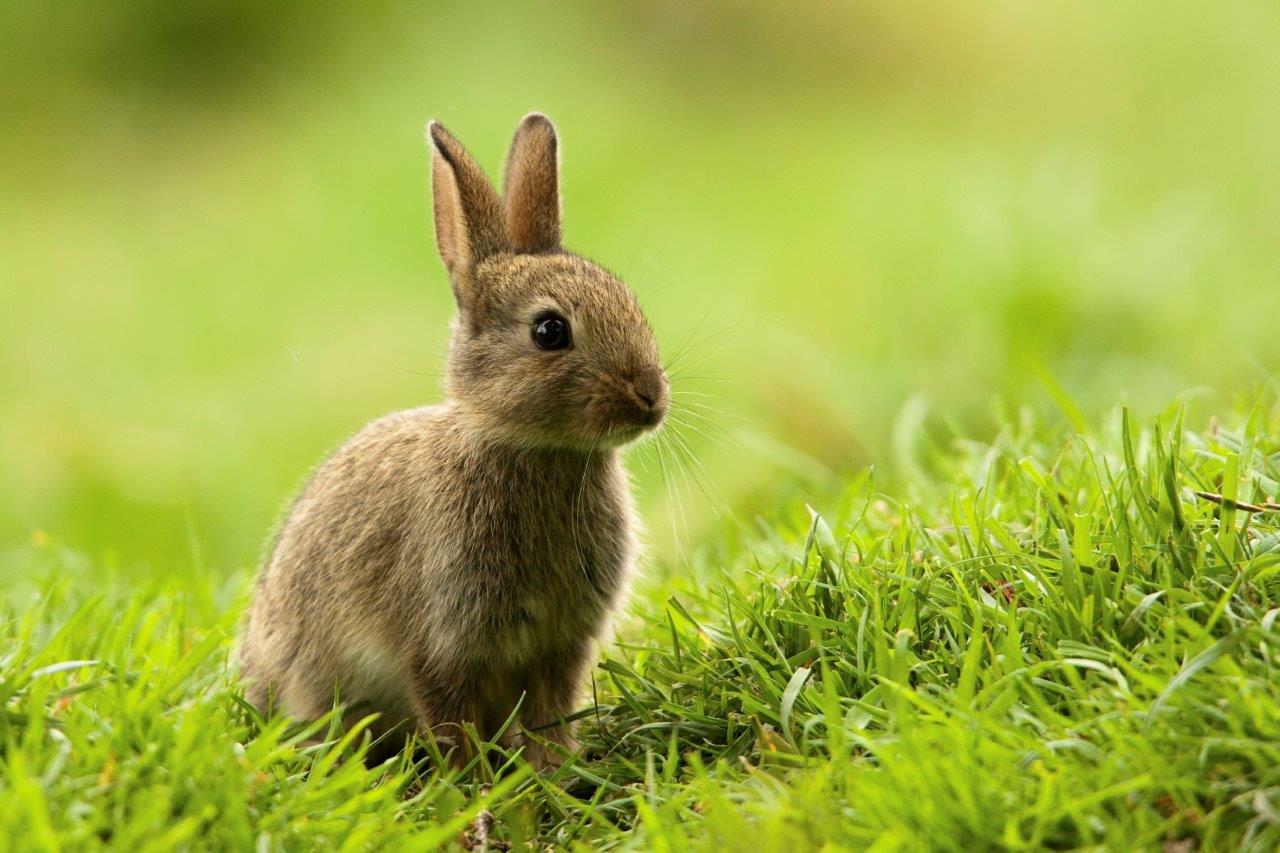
216,253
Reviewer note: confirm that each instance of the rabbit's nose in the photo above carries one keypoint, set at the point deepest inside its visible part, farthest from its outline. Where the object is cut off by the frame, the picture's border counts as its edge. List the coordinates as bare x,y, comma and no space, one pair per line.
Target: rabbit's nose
649,389
643,396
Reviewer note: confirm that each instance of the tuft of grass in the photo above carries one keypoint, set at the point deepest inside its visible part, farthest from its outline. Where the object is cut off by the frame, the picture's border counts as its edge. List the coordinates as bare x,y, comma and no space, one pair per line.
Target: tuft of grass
1050,639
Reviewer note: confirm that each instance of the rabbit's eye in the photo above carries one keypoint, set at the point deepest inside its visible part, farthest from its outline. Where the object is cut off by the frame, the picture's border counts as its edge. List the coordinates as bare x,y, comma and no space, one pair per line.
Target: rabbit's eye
551,331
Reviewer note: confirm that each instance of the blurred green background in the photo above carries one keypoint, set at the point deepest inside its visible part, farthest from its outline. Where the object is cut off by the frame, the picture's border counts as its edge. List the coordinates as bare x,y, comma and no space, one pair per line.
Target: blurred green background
217,262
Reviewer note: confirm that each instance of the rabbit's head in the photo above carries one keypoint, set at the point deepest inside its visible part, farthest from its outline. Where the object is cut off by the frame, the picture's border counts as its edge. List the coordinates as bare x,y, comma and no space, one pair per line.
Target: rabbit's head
548,348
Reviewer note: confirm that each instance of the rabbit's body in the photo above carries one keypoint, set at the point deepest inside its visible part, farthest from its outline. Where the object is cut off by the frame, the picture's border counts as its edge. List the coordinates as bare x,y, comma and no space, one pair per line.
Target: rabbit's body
445,604
452,563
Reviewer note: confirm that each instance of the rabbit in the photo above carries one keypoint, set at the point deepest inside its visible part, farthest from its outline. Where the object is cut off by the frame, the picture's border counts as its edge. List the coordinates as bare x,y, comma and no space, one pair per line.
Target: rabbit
454,563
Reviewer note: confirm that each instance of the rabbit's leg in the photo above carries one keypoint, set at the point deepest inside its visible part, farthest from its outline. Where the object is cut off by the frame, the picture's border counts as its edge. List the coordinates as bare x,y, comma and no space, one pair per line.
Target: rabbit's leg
551,693
444,705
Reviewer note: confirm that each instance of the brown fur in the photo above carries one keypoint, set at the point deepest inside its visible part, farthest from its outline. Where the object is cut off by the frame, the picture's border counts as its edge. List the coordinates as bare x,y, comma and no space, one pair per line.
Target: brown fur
452,562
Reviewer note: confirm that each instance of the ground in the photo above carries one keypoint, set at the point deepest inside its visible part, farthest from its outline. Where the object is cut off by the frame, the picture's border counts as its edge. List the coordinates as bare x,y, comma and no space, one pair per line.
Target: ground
1062,637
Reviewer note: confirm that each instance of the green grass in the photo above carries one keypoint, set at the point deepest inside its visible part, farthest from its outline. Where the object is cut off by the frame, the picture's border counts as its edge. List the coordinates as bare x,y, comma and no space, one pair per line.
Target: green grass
1048,639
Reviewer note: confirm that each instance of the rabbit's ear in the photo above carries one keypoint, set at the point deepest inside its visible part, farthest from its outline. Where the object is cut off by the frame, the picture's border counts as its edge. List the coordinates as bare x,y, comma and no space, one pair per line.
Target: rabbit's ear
531,186
468,213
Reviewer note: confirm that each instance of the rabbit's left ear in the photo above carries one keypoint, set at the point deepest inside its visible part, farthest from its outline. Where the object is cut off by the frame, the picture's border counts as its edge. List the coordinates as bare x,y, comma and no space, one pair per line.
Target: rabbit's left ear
531,187
468,214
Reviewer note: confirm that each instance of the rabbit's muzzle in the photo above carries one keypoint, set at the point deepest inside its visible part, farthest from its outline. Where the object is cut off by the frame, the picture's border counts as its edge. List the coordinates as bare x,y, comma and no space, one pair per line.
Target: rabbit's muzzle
647,397
627,405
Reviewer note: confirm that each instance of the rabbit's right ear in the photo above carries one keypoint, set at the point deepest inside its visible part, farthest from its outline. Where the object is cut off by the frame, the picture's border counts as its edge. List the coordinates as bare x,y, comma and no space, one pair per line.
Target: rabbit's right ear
468,213
531,186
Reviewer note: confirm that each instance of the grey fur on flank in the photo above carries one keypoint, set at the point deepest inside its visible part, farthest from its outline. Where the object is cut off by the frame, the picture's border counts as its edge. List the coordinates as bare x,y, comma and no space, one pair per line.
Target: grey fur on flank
453,562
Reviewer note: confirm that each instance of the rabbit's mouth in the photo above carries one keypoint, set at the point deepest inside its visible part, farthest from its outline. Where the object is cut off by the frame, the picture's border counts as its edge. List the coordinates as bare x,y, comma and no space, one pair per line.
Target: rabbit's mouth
626,433
631,422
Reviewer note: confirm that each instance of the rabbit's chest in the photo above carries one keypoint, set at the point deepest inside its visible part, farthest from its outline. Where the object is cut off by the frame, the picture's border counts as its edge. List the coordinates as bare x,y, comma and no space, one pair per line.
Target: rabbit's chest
559,550
543,569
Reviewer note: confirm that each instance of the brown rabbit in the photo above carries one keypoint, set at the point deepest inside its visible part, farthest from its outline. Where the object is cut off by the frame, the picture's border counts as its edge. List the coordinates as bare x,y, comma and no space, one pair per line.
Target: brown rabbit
453,562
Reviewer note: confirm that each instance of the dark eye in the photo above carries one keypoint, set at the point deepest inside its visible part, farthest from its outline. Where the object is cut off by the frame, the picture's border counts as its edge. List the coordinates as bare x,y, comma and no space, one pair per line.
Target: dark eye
551,331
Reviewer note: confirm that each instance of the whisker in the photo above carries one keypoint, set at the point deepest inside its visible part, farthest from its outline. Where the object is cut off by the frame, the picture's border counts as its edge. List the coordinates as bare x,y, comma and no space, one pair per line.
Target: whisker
693,347
639,280
680,377
703,478
686,405
670,490
642,452
685,342
676,445
721,441
706,428
705,416
636,251
683,496
700,419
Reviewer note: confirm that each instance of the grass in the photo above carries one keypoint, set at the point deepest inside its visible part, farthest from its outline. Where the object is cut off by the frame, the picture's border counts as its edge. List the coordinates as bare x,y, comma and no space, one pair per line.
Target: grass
1050,639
